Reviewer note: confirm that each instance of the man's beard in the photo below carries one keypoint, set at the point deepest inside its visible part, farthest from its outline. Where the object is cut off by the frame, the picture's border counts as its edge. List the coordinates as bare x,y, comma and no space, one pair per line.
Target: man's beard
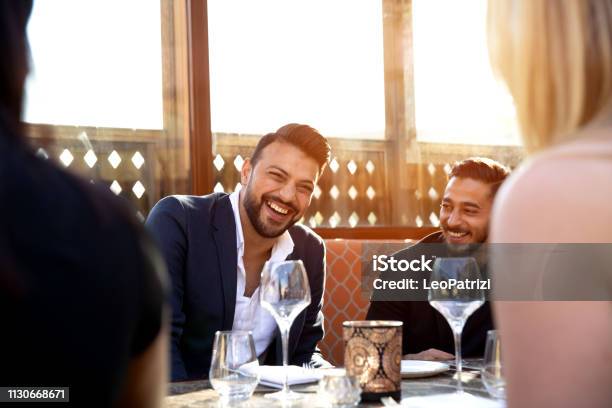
253,210
477,250
463,249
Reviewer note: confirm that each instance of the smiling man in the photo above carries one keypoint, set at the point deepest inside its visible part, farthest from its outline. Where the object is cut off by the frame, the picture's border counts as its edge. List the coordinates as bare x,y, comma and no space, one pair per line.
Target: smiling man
465,213
216,247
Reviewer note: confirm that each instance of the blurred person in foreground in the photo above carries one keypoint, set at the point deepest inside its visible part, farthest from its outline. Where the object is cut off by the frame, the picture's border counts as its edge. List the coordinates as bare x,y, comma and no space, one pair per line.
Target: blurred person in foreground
556,59
81,294
464,220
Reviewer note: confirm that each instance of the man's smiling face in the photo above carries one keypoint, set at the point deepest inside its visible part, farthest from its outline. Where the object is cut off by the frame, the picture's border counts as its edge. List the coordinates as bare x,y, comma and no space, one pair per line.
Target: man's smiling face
278,188
465,211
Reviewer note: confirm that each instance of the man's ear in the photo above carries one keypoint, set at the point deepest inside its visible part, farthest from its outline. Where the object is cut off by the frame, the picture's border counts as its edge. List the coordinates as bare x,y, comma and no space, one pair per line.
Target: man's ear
245,172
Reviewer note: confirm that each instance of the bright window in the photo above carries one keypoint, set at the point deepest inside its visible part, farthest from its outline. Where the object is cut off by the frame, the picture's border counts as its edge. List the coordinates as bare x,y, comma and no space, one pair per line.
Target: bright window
96,63
318,62
457,99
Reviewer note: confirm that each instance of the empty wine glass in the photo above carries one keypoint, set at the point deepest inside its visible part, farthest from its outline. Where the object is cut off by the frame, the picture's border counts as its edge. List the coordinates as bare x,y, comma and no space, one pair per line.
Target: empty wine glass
284,292
492,370
454,291
233,369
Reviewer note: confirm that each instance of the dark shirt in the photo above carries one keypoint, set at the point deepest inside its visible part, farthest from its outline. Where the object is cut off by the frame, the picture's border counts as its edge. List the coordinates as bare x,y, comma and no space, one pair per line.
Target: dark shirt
81,284
424,327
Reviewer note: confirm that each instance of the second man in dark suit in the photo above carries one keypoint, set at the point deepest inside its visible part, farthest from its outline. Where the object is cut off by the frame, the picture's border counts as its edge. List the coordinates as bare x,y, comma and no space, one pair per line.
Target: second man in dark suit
216,246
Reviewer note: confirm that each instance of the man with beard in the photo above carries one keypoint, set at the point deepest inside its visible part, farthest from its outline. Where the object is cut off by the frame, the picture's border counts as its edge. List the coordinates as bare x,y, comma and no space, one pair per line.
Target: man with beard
464,220
216,246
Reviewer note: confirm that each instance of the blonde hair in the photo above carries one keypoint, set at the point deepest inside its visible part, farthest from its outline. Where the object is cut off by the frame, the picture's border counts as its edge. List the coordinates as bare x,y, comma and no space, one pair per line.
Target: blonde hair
556,59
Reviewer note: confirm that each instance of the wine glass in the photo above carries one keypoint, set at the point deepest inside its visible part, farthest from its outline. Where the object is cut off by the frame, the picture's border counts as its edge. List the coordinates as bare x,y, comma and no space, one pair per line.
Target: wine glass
492,372
284,292
454,291
233,369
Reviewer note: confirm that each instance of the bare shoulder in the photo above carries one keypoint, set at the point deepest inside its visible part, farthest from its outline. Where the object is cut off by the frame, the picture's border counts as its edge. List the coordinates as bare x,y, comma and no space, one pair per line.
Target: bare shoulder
559,196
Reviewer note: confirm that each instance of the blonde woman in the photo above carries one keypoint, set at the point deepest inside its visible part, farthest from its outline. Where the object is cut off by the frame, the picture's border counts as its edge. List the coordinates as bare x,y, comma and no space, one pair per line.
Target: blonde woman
556,58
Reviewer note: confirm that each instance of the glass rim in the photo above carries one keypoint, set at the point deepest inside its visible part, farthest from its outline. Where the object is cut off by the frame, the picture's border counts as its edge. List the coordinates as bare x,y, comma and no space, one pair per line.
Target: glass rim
455,258
237,332
284,261
372,324
335,372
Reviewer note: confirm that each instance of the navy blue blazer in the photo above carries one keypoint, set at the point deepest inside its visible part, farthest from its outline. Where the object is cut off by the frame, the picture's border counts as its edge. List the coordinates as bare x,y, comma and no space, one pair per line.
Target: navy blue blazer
197,235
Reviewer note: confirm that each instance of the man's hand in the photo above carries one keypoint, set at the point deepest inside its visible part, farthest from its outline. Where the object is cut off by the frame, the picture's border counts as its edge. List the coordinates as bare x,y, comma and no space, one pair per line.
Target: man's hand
431,355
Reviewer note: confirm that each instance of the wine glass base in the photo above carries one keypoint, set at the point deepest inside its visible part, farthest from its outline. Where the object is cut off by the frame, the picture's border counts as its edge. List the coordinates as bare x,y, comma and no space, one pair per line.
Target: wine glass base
468,364
285,396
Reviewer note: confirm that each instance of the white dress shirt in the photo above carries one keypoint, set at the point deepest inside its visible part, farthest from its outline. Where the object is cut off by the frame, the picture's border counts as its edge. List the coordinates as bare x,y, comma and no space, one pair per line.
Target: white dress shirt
249,315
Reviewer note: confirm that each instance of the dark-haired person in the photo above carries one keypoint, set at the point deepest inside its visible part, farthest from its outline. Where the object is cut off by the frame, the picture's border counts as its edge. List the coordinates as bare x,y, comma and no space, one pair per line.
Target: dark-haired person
216,246
81,293
465,213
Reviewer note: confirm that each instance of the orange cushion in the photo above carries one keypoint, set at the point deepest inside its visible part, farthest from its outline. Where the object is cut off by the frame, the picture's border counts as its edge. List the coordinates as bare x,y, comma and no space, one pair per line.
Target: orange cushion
343,298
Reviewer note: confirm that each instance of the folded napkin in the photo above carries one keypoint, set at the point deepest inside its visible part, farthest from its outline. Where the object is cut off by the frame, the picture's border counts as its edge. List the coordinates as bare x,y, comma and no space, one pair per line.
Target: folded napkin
273,376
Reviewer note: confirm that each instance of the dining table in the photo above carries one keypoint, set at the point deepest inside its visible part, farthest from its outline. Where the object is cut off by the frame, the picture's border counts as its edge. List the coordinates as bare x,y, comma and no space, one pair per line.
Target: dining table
199,393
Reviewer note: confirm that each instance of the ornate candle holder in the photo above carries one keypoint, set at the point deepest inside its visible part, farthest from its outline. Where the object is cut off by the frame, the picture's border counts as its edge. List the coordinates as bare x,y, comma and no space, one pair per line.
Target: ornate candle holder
373,354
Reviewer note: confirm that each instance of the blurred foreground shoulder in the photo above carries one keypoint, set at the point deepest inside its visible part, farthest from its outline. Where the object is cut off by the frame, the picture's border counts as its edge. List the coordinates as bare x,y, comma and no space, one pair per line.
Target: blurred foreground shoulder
555,198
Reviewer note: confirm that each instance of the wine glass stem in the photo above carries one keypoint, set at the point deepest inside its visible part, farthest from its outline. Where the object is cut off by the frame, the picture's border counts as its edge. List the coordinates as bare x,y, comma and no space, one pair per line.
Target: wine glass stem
457,335
285,340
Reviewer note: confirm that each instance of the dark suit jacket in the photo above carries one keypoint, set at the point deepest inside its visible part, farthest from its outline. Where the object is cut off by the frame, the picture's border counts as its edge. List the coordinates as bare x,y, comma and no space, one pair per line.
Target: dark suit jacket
424,327
198,239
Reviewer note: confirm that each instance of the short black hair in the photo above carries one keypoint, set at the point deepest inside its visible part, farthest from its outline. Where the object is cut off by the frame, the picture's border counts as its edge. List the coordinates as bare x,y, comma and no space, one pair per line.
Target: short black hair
482,169
304,137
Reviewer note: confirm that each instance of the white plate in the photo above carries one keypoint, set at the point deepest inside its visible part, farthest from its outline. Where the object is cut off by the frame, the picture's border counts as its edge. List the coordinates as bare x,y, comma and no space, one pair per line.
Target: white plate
419,368
452,400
